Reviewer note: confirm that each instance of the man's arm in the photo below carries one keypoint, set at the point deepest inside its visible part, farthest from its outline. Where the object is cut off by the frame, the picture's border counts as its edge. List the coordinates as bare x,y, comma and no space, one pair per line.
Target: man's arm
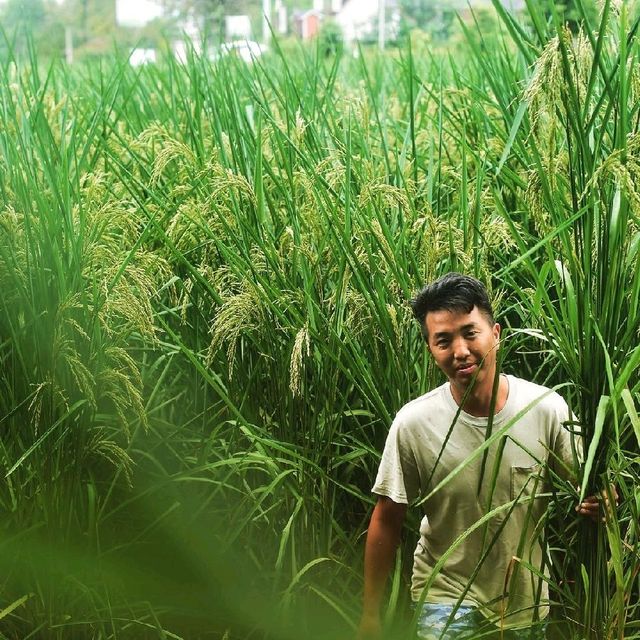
383,537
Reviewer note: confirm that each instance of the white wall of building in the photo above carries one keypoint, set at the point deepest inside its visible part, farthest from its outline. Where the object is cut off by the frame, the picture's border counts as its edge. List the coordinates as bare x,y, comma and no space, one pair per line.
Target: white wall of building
137,13
237,27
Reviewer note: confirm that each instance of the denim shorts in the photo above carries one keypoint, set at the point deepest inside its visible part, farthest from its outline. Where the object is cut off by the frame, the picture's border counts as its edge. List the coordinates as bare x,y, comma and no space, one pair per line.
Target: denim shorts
438,622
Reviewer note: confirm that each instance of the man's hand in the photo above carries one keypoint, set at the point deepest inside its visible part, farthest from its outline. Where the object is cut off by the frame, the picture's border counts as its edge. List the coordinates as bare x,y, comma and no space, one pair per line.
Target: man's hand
591,506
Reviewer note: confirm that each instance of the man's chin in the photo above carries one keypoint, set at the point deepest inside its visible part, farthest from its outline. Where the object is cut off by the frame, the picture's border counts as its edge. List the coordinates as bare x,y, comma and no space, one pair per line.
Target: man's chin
462,383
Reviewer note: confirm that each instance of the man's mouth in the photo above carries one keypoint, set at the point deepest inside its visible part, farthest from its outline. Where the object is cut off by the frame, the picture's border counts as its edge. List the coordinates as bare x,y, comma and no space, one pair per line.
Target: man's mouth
467,369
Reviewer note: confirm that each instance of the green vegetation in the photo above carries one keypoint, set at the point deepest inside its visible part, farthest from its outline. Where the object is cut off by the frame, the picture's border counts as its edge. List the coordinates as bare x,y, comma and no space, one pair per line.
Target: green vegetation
204,332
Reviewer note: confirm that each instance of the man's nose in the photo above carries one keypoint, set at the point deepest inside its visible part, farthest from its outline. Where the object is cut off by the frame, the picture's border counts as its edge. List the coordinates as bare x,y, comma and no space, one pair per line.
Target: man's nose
460,349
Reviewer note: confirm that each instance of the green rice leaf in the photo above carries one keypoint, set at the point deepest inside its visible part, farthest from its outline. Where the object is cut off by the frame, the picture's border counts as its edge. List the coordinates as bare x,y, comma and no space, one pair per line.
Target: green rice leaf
631,412
512,135
14,605
601,414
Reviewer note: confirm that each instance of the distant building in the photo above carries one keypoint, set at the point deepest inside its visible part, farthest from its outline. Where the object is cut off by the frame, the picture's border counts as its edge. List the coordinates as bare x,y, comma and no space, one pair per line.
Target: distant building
358,19
237,27
307,23
137,14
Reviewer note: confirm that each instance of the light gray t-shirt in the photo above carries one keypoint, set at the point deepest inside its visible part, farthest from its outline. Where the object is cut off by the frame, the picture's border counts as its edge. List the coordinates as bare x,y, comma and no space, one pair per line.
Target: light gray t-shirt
428,440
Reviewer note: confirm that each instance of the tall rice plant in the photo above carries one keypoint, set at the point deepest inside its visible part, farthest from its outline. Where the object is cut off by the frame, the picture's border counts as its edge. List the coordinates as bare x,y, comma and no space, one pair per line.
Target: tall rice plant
76,298
566,184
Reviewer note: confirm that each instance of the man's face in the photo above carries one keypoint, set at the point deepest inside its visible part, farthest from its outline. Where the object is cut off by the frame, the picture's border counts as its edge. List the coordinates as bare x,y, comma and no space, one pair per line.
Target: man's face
464,346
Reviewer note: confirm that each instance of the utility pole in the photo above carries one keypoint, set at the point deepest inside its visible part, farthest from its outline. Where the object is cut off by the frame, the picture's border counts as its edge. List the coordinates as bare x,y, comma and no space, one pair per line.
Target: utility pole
381,24
266,19
68,44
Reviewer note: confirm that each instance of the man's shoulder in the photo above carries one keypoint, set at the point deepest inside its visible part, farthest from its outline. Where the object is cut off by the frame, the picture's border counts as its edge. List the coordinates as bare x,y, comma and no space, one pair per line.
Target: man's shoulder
537,395
423,405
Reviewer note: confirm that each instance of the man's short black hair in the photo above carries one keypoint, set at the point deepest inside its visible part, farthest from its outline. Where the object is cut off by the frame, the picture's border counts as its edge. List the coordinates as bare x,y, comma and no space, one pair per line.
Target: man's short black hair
451,292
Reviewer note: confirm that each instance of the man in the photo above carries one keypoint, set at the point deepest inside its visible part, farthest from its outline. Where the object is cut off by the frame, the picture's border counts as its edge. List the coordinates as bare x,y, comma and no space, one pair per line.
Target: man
473,454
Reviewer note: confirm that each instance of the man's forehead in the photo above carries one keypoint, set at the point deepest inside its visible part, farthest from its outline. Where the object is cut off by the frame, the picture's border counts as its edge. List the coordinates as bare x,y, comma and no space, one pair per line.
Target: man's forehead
446,315
444,319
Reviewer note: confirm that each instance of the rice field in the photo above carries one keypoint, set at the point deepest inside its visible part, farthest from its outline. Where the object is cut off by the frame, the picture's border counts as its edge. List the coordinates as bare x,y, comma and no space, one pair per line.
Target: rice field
204,328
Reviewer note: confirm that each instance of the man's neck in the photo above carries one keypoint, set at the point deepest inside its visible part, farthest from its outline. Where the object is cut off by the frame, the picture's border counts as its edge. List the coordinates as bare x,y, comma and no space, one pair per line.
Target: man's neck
478,402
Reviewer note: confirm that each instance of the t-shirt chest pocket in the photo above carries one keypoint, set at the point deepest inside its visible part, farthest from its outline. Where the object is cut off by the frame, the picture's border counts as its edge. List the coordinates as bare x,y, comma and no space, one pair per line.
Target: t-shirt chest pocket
526,482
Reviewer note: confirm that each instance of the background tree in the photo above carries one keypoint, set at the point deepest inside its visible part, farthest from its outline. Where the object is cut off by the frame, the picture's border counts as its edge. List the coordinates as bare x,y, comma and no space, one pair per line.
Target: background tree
574,16
93,24
39,20
436,18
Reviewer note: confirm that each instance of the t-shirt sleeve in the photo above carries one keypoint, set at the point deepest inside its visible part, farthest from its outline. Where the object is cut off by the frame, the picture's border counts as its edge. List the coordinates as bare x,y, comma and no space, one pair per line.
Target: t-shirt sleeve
397,476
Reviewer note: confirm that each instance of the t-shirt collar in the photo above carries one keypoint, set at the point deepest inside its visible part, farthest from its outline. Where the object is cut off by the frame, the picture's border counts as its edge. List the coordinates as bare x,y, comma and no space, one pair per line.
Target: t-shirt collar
476,421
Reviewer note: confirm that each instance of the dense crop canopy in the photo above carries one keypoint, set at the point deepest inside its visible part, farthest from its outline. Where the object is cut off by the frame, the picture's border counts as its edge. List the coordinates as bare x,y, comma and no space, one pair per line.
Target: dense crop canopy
204,325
